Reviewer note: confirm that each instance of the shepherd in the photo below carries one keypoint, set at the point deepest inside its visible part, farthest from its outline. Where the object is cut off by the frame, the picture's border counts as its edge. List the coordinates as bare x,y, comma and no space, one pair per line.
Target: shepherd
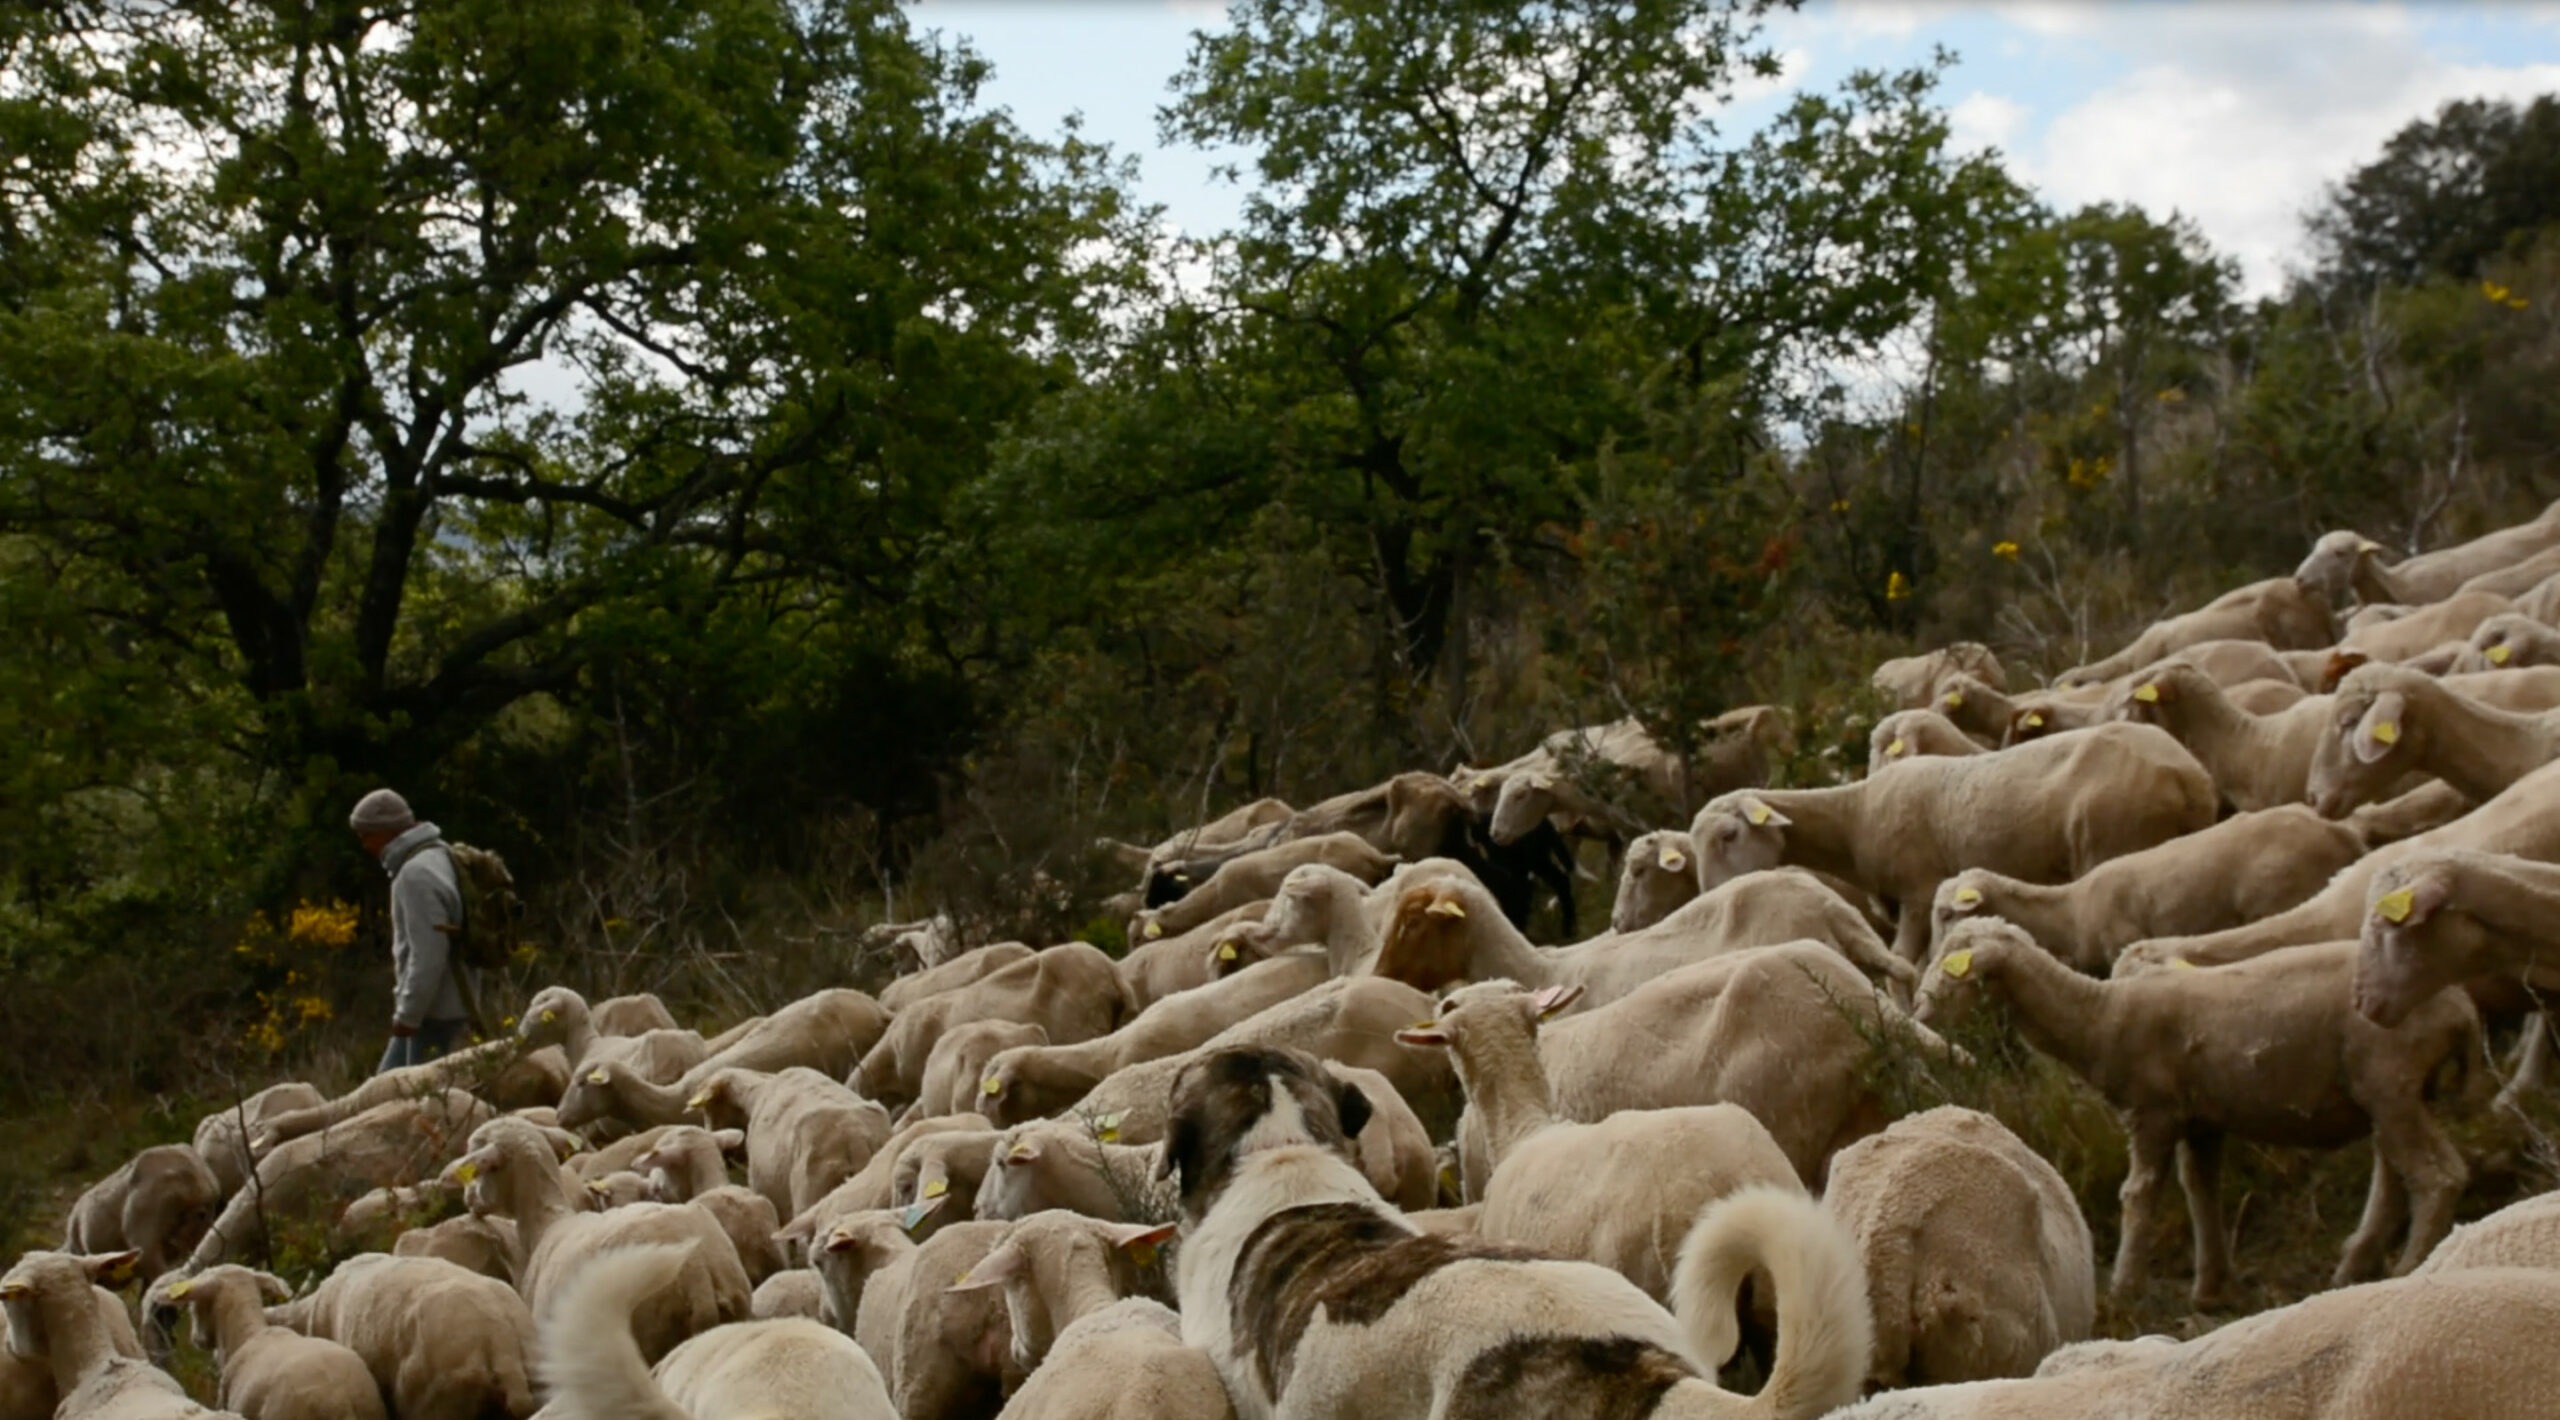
432,987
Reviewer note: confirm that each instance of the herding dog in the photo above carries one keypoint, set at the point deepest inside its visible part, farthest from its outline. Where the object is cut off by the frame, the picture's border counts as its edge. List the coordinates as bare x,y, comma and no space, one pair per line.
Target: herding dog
1318,1301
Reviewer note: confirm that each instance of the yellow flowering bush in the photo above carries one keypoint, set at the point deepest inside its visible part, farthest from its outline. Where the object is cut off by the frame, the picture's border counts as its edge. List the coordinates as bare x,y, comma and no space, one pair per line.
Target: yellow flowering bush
291,957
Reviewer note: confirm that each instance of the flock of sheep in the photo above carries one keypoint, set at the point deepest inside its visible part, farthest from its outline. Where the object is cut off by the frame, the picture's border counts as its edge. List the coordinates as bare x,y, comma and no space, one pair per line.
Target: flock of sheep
2268,873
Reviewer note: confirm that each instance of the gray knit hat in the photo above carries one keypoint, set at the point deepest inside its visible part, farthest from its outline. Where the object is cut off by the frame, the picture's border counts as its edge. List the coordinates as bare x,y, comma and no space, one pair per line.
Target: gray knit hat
381,811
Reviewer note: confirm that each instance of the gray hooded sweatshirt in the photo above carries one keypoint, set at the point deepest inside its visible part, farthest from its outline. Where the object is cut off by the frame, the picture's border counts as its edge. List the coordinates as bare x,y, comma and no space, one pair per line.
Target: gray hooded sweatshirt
424,897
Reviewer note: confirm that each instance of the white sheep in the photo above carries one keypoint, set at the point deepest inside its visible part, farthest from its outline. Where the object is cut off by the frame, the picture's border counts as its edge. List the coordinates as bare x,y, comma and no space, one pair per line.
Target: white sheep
1913,682
2270,1049
1620,1192
403,1141
1059,1163
222,1137
954,1350
54,1321
1056,1268
2045,811
1654,881
2387,722
2447,916
1978,1261
1170,966
27,1390
827,1031
795,1291
1124,1362
510,1171
1252,877
957,1065
2246,867
1916,734
1451,930
2516,642
747,1370
1073,992
2345,564
972,965
2525,1233
481,1069
442,1343
158,1204
559,1016
806,1133
875,1185
270,1372
2257,761
2279,611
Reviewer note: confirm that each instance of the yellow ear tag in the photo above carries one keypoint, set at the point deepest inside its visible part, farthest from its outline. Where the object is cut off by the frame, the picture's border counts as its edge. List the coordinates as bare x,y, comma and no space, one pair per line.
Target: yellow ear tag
1955,700
178,1292
1757,812
1672,861
1956,964
2499,653
2181,964
1107,1128
1968,897
1154,930
698,1101
1226,951
1022,1154
2035,722
2147,693
935,1188
550,1018
467,1172
1480,781
2387,732
991,1086
597,1077
1893,750
1143,1253
2395,906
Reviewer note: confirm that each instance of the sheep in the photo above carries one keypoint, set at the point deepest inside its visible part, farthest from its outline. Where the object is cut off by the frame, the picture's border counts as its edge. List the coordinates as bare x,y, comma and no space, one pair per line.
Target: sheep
1057,1163
488,1246
1073,992
1250,820
2045,811
1978,1260
742,1371
1914,682
1313,1297
2465,1343
1169,966
1394,1152
403,1141
2257,762
1783,1031
805,1133
969,966
54,1321
1409,817
686,1161
2246,867
874,1187
474,1068
2424,628
509,1172
2343,563
2265,697
958,1061
1033,1081
2515,642
270,1372
1253,876
945,1169
2447,916
1621,1192
954,1350
222,1137
1553,785
827,1031
2280,611
2521,821
1913,734
443,1343
27,1390
1655,880
2424,809
1448,932
1055,1268
607,1097
2269,1049
2525,1233
559,1016
864,1261
636,1014
1331,908
1126,1361
792,1292
159,1204
2387,722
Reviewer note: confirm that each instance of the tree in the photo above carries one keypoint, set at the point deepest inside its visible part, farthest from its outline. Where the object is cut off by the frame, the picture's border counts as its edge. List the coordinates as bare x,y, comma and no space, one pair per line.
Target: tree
367,368
2446,195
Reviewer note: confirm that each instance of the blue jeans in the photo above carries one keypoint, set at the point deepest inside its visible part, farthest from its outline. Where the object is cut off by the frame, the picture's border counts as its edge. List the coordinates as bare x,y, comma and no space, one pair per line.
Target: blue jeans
434,1038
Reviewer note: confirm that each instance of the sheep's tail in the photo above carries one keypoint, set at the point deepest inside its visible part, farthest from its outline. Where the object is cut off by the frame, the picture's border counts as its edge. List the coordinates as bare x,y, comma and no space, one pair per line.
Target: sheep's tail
1825,1334
591,1364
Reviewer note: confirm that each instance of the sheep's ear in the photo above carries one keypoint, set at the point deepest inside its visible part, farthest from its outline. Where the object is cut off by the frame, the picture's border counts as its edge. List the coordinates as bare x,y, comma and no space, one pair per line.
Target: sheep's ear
1024,1151
1965,899
111,1269
798,1230
1140,1240
2379,730
993,1270
2414,901
272,1287
1354,1109
730,1140
1422,1033
1552,999
838,1239
1760,815
923,1208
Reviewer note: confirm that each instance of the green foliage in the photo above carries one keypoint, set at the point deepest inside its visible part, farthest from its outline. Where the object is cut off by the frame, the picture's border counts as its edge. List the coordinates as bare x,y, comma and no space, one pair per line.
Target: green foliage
2446,196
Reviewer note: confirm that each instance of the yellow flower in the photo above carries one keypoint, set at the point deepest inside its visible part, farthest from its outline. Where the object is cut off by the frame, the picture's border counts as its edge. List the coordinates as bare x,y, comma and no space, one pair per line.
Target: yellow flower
1840,505
2494,291
1897,588
311,1008
2172,395
2005,551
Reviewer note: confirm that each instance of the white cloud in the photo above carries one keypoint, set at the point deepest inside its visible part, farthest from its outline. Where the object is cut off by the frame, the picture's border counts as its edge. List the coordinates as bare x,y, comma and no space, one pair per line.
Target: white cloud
2238,116
1980,120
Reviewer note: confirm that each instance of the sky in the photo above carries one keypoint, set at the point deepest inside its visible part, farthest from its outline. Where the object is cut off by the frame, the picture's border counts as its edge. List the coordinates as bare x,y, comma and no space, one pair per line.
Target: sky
2234,112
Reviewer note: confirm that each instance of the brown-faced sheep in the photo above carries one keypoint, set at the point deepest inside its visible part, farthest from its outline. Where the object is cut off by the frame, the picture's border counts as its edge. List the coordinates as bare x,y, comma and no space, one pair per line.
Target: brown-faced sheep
2046,811
2270,1049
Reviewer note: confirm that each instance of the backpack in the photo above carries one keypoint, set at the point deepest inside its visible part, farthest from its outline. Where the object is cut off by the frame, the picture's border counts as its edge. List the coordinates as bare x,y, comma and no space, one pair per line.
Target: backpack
490,909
